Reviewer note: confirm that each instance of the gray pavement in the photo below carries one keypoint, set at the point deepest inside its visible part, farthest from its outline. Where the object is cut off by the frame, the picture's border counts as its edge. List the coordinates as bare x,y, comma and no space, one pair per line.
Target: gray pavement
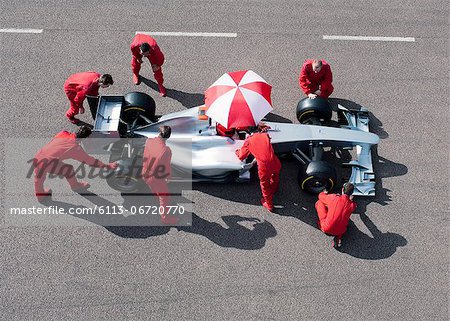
394,263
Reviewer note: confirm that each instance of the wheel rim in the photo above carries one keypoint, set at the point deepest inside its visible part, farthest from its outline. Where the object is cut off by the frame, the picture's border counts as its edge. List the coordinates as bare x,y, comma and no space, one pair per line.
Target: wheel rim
132,113
123,183
316,185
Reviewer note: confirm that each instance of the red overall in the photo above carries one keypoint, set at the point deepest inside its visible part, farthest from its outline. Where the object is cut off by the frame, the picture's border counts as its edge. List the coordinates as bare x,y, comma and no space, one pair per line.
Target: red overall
156,57
156,169
77,87
49,159
309,80
334,212
269,165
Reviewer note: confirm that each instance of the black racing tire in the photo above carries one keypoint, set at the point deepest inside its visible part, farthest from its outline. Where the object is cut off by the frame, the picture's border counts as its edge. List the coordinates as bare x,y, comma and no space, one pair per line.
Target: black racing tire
316,177
313,111
125,179
137,103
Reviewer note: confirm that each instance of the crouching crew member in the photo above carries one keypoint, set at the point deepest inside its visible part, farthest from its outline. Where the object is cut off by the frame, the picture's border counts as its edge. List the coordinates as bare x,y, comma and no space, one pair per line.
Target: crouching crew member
316,78
334,212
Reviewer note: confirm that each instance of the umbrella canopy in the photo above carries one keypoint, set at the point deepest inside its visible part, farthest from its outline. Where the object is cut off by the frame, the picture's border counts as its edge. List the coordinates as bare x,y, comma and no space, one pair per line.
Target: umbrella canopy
238,99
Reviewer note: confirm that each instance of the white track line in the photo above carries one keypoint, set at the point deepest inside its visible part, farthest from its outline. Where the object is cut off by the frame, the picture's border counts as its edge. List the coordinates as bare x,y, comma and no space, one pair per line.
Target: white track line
189,34
407,39
17,30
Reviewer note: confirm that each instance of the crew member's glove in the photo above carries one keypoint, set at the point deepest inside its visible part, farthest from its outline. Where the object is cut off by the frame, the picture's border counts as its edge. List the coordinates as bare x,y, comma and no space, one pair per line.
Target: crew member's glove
237,152
155,68
263,127
112,166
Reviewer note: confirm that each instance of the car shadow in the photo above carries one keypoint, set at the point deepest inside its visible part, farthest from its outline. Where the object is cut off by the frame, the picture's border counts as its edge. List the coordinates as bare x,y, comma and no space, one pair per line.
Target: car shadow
188,100
276,118
291,201
237,234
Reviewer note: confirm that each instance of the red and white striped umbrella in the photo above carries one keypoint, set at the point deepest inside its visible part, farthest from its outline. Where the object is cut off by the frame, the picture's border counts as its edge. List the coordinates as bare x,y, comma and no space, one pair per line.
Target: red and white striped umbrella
238,99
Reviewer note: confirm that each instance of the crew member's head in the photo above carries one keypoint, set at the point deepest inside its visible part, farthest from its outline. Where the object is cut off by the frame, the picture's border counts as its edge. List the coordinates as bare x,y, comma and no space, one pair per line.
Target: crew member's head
165,131
145,49
348,189
316,65
105,80
83,132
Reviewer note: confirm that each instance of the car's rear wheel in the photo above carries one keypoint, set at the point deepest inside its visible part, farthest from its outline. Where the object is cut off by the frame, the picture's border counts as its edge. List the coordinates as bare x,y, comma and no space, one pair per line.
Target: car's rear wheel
313,111
138,104
316,177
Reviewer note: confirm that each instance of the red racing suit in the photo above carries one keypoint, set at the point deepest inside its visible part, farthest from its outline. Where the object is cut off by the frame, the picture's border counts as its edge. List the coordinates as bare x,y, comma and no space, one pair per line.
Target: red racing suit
334,212
309,81
156,169
269,165
156,56
49,159
77,87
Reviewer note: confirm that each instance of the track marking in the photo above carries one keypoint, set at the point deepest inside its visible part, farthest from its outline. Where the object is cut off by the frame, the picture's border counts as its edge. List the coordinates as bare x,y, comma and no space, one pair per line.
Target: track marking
17,30
189,34
364,38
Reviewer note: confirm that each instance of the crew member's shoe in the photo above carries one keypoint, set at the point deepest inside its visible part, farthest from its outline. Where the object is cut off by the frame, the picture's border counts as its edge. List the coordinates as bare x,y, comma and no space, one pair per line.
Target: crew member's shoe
162,91
169,219
136,79
74,121
267,206
46,196
337,243
81,186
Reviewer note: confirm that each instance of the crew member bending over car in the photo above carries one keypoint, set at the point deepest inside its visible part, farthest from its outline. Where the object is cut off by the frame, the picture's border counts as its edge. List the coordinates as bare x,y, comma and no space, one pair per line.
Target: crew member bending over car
49,159
146,46
269,166
156,171
334,212
78,86
316,78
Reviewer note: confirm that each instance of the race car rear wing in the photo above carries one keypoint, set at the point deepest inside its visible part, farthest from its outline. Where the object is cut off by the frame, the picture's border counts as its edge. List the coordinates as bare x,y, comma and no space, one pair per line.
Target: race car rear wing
362,176
106,113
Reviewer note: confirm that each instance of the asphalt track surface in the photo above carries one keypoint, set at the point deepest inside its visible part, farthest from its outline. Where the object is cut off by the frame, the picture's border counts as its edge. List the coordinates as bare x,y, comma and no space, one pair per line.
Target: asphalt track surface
229,266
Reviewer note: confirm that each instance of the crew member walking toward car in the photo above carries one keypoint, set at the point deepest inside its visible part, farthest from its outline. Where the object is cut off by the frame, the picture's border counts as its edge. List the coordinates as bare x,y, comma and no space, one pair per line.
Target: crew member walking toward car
49,159
316,78
269,166
78,86
334,212
145,46
156,171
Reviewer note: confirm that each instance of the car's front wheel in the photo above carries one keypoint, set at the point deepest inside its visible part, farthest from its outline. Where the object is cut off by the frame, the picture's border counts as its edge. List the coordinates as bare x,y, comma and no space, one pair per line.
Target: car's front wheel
316,177
313,111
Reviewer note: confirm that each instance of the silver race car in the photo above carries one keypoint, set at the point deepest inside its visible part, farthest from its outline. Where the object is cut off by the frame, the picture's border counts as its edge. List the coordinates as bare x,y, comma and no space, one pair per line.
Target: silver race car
201,155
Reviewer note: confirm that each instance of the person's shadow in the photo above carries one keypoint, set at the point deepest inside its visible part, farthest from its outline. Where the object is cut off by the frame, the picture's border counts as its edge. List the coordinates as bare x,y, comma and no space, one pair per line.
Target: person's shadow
236,235
188,100
375,247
